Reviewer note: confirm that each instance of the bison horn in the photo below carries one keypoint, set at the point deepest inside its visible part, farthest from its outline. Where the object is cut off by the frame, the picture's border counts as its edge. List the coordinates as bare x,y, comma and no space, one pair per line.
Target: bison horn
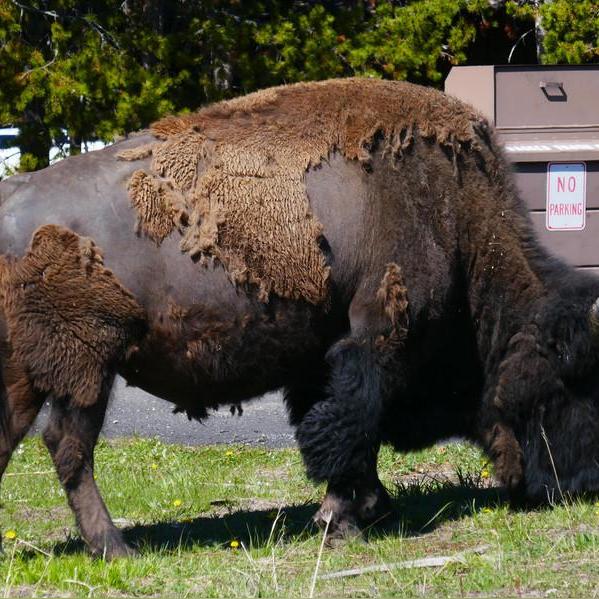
594,319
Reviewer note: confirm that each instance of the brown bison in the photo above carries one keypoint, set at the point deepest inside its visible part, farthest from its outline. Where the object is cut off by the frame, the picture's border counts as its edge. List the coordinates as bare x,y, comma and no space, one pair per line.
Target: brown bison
357,242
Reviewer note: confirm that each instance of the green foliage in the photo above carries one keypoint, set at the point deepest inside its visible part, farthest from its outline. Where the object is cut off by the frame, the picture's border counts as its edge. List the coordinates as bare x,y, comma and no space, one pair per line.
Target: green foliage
100,68
572,31
418,41
303,46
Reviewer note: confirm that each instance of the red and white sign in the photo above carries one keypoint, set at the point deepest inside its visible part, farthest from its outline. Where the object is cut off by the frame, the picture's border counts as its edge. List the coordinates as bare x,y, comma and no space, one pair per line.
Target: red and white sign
566,196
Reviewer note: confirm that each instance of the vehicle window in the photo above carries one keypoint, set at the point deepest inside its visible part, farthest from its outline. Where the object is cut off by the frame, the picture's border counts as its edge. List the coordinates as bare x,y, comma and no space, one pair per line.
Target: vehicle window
7,141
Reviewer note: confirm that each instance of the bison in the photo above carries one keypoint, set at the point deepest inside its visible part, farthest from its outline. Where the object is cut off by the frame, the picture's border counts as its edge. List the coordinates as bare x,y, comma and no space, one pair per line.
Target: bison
358,242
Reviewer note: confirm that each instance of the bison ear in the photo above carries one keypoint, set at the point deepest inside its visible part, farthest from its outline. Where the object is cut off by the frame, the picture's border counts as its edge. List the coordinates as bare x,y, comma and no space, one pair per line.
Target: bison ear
594,320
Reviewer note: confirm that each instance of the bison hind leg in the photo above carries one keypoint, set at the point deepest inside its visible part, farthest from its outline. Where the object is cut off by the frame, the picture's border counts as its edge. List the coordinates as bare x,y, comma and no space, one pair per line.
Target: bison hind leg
19,406
70,436
71,323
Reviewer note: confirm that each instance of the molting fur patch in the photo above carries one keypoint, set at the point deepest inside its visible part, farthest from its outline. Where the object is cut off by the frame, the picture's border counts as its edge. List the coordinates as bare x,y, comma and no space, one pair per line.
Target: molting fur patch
69,319
240,167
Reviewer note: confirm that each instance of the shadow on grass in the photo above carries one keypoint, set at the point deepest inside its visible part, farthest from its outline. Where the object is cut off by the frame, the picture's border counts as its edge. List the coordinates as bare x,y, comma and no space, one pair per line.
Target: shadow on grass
421,507
417,509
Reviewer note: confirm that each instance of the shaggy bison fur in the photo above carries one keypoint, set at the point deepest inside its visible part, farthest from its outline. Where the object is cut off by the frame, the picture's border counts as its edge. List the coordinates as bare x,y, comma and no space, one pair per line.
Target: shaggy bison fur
358,243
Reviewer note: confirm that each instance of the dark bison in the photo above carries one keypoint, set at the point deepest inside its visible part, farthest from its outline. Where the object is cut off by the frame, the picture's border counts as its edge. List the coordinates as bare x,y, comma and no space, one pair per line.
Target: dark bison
357,242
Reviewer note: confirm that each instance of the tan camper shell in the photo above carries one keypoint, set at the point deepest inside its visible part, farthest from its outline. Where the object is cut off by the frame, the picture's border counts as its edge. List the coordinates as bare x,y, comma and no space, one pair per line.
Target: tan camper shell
548,120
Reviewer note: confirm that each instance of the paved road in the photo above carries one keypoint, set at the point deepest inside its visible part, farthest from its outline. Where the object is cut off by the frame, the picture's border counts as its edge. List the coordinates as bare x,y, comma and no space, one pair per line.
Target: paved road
134,412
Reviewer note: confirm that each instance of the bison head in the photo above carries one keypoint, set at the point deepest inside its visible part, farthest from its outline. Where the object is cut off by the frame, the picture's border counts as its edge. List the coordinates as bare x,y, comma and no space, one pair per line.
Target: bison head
559,420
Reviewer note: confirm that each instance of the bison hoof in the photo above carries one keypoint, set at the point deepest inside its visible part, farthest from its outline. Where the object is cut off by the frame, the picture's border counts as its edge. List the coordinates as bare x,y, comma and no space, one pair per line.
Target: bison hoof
339,529
373,506
121,551
113,547
336,516
344,531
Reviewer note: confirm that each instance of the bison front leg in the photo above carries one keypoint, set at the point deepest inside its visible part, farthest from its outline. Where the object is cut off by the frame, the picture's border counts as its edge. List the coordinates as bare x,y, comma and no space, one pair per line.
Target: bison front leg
372,502
71,435
501,445
339,440
339,437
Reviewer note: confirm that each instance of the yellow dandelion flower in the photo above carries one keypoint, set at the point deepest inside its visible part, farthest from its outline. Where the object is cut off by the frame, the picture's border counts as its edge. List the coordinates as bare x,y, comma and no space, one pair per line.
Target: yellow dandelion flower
234,544
154,466
177,503
229,453
485,474
10,534
487,510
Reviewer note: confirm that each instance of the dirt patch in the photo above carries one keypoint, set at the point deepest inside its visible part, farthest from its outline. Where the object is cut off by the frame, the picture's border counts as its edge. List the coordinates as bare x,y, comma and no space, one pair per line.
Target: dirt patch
225,507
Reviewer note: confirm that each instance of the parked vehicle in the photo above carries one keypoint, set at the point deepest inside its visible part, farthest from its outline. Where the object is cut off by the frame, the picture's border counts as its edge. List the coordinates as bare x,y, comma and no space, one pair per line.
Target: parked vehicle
10,154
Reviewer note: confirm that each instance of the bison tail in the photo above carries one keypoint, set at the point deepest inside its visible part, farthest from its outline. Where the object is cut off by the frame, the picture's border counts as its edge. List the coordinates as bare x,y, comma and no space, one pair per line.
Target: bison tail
339,437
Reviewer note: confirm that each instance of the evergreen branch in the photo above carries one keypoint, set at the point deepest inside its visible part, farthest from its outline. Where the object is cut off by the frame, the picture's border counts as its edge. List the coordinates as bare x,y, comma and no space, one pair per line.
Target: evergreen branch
105,36
44,67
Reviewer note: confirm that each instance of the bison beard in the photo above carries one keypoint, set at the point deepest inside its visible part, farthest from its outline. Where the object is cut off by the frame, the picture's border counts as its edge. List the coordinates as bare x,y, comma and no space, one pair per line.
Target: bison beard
409,302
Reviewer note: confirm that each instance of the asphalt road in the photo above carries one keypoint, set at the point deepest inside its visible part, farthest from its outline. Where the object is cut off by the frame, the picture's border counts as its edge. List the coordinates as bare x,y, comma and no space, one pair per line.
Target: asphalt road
134,412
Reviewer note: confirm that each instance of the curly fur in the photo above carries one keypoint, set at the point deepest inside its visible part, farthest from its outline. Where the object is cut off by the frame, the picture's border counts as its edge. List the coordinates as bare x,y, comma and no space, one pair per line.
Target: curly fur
69,320
350,416
393,297
240,166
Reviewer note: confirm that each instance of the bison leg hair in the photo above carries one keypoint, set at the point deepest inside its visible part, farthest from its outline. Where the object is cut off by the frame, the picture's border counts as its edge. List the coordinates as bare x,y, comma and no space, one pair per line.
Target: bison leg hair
372,502
339,437
307,389
505,451
71,435
346,502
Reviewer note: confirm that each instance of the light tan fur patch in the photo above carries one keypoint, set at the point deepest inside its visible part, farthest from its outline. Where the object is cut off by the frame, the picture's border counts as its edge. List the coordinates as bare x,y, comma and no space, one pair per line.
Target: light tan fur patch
393,299
160,209
240,166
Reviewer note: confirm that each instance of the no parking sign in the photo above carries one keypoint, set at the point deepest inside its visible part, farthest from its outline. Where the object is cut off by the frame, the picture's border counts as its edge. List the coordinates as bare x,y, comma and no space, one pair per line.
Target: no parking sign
566,196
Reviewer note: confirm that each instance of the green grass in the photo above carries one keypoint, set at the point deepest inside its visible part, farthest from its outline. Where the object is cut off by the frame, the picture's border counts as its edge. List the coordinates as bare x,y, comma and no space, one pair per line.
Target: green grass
183,507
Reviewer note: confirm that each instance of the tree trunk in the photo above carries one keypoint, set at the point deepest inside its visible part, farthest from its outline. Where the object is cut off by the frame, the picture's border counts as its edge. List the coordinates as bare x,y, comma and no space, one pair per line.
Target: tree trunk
75,142
539,30
34,141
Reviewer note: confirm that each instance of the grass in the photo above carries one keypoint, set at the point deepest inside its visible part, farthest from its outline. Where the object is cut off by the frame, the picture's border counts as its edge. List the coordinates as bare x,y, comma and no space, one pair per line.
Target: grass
234,521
